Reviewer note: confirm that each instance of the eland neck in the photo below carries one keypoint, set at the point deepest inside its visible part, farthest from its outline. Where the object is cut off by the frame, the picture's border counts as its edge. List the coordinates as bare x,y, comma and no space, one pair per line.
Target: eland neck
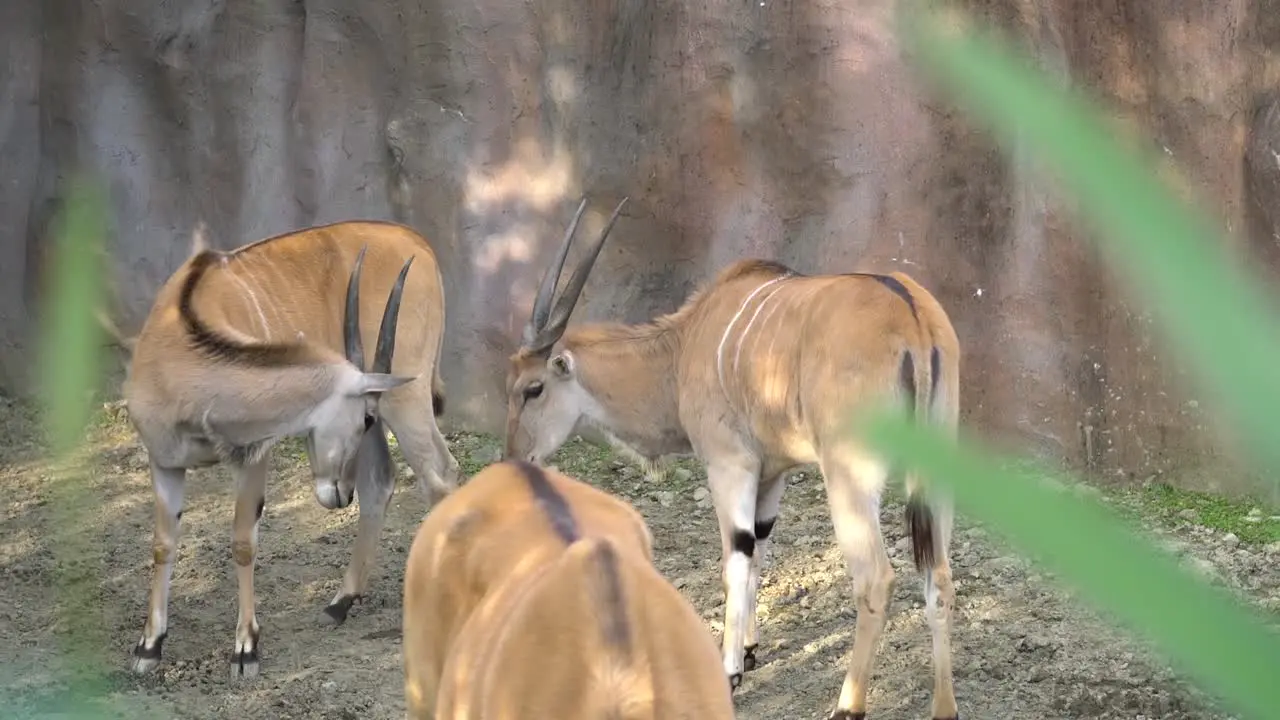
630,371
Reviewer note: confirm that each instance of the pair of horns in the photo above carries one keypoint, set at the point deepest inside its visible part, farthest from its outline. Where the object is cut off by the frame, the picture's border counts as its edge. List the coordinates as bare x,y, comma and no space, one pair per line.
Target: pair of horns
386,333
546,324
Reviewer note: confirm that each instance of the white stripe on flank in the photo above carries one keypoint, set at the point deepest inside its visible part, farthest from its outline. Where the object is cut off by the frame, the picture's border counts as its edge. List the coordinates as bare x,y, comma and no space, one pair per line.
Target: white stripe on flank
742,336
253,298
272,268
729,327
803,302
764,322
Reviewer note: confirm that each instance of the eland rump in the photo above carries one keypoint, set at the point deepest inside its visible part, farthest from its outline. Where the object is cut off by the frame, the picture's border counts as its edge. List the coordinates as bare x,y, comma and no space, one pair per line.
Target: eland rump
243,348
757,375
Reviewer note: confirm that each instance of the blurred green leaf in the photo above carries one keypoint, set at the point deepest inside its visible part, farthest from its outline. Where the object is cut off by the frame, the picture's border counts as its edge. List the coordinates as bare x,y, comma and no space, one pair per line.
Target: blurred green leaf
1218,317
1228,648
69,370
70,349
1215,315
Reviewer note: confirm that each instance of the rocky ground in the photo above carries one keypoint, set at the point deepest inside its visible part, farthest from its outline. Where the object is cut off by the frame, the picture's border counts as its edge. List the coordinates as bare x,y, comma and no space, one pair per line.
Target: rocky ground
1023,647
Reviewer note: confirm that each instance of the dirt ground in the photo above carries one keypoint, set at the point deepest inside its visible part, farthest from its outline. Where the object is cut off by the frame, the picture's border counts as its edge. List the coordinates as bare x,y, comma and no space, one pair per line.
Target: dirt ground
1023,648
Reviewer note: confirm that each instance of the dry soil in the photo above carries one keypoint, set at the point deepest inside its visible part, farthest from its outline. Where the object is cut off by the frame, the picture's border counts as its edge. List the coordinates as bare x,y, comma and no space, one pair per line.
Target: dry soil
1023,647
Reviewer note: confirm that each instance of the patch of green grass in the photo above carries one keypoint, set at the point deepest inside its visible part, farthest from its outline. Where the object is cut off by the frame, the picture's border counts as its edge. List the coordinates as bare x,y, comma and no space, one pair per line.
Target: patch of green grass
292,449
474,451
1252,521
584,459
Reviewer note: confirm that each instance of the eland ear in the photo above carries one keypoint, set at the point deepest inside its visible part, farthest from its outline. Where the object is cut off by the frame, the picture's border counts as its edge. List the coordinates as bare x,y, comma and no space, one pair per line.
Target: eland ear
380,383
562,364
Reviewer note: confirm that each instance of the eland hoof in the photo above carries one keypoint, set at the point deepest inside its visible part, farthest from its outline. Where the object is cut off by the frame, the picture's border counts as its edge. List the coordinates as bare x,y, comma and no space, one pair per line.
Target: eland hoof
145,659
244,659
749,658
338,609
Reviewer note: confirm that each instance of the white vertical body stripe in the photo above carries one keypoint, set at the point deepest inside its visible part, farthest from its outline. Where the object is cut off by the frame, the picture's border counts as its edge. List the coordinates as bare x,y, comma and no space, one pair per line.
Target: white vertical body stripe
728,328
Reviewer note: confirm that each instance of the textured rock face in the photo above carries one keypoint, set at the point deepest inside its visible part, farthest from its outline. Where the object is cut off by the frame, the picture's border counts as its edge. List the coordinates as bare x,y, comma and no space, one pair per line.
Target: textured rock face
792,130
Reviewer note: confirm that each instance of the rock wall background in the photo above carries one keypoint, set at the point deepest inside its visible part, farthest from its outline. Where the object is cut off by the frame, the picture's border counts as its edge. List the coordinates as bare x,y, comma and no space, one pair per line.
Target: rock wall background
793,130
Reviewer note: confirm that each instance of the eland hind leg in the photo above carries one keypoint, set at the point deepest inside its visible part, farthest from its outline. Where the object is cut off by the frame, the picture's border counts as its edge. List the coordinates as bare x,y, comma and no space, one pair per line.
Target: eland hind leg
251,487
929,526
854,482
168,485
408,412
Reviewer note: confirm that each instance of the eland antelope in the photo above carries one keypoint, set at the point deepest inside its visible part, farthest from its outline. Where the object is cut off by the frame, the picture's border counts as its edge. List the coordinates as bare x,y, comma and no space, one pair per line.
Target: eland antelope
757,374
243,348
528,593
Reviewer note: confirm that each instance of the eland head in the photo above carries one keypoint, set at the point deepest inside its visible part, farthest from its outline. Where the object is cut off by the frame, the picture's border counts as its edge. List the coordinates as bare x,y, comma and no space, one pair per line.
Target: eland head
545,399
337,444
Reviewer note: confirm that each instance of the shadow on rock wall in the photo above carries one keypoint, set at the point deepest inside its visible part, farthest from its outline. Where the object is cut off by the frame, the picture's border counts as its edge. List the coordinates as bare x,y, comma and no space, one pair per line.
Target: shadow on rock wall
795,131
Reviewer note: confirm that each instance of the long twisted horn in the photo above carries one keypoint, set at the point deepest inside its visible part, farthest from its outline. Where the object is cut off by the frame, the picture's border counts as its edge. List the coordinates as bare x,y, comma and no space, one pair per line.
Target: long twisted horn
559,320
547,286
351,319
387,332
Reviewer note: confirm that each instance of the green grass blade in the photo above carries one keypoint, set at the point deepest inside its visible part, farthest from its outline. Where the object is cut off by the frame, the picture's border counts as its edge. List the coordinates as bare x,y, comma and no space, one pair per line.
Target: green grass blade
1227,647
1218,317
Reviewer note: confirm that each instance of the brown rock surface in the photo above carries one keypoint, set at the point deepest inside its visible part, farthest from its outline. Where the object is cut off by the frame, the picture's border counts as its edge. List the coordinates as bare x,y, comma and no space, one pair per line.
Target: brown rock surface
782,129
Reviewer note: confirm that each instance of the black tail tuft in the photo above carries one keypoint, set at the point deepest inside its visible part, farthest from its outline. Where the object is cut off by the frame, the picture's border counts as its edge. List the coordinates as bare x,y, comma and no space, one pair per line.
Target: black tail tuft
920,528
437,404
919,517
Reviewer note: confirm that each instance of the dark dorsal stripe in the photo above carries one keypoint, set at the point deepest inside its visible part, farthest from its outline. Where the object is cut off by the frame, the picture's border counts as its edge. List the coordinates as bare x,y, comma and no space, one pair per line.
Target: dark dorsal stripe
550,500
894,285
614,624
218,346
935,371
907,381
615,627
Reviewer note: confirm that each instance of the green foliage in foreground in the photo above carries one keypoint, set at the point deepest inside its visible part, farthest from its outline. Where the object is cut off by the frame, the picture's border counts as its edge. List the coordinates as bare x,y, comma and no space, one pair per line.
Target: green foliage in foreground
1204,630
69,363
1204,305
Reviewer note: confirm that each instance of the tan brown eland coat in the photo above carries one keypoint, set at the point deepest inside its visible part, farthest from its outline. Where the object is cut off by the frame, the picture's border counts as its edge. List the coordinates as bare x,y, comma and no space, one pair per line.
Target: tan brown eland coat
758,374
242,348
529,594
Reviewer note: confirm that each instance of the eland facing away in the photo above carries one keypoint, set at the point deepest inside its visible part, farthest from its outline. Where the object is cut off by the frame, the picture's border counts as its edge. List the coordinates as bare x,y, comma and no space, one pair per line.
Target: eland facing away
530,594
246,347
757,374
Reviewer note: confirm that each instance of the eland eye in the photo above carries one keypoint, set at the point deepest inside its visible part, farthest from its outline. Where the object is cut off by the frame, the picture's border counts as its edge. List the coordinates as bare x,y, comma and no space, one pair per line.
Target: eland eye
532,390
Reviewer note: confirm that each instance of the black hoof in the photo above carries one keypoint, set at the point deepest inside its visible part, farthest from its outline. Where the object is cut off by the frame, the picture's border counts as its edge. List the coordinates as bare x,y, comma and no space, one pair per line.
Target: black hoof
734,681
244,659
146,658
338,609
749,658
847,715
244,664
